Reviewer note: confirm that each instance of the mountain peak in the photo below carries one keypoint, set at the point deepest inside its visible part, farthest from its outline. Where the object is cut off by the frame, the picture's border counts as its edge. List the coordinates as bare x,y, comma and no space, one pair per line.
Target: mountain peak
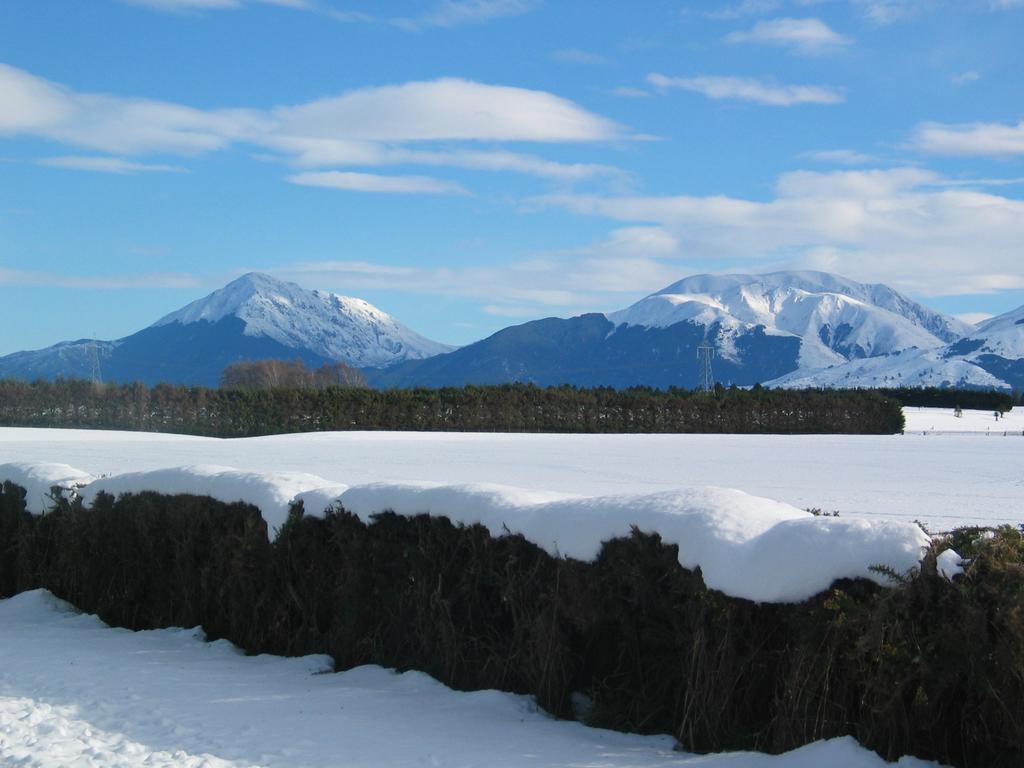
838,319
333,326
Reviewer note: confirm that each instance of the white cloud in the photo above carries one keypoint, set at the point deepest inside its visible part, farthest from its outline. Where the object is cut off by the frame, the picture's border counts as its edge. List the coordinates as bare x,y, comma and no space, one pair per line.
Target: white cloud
364,127
107,165
809,37
332,152
904,226
447,109
114,124
750,89
972,139
369,182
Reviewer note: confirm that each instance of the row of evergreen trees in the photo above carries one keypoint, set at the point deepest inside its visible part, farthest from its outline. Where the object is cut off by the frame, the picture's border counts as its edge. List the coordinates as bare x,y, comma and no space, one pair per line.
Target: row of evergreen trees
235,412
973,399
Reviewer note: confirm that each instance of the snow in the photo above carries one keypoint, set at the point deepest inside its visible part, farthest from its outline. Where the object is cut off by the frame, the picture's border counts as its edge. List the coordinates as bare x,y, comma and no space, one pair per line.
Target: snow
336,327
949,564
745,546
1002,335
39,479
271,492
937,420
910,368
75,692
879,320
943,480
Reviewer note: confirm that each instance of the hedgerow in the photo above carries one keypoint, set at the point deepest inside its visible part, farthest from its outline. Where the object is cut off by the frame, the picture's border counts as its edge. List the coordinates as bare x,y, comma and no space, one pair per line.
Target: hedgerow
925,666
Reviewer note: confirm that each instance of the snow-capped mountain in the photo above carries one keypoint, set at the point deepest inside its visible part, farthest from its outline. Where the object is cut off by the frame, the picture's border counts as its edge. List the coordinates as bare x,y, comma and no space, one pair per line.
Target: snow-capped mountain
763,327
989,356
836,319
254,317
332,326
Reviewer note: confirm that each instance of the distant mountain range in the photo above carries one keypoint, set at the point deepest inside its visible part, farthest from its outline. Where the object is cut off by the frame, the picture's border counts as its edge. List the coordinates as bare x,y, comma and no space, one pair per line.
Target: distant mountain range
793,329
788,329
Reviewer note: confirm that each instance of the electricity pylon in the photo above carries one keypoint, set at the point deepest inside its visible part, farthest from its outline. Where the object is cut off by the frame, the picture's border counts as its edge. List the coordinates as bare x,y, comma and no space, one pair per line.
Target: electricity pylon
705,353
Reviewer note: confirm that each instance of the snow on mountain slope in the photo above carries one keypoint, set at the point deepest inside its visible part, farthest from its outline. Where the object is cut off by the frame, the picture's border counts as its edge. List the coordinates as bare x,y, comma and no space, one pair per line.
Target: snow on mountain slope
836,318
1002,335
909,368
336,327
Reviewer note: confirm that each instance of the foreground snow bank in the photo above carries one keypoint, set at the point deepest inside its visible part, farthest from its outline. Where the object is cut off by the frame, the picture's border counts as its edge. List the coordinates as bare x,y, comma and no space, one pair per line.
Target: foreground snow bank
270,492
168,698
745,546
38,480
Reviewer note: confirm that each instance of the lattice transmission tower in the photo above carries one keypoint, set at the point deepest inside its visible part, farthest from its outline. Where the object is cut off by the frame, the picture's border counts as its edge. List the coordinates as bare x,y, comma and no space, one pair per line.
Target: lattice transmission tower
705,353
94,360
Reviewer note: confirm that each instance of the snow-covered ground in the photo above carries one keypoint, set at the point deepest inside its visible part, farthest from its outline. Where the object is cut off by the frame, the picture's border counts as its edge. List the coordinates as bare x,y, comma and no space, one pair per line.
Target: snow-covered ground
941,479
978,422
74,692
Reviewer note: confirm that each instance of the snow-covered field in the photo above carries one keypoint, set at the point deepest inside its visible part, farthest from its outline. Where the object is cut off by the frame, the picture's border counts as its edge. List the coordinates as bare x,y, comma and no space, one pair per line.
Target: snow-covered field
978,422
74,692
941,479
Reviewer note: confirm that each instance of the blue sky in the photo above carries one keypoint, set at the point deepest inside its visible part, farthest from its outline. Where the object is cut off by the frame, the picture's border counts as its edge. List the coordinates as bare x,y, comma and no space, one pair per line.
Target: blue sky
469,164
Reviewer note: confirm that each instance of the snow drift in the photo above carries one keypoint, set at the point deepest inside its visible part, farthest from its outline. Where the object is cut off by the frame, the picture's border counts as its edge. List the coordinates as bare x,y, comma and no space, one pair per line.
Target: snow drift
746,546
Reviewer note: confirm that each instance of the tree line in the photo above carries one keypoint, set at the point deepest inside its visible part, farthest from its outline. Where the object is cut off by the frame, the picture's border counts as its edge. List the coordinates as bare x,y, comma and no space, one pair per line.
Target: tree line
971,399
250,411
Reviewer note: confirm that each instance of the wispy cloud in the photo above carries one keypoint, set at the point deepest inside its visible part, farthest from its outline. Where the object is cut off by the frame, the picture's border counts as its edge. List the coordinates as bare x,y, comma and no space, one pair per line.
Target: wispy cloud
597,277
387,125
371,182
210,5
631,93
447,109
33,278
457,13
964,77
905,226
742,9
974,317
99,164
750,89
808,37
971,140
839,156
577,56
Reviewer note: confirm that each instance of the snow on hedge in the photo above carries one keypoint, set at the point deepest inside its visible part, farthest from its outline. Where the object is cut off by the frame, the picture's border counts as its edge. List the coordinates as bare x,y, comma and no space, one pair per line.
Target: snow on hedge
746,546
270,492
38,480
